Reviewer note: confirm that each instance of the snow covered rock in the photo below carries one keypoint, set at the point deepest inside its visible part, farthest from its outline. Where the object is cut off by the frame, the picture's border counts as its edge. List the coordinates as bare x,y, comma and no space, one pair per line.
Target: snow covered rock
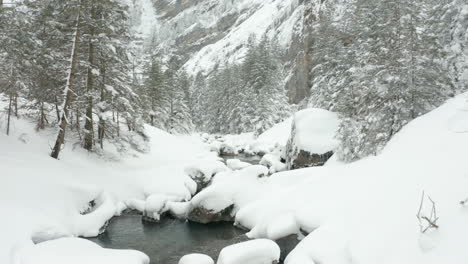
196,259
202,172
228,150
235,164
155,206
77,251
312,141
203,215
259,251
273,163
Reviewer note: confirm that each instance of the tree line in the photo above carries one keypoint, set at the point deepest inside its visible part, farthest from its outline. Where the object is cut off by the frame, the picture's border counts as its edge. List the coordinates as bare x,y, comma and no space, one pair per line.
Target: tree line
382,63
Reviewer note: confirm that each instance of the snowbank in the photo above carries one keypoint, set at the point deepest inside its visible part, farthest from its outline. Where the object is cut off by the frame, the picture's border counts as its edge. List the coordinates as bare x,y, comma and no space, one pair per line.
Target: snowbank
45,199
77,251
258,251
275,137
235,164
196,259
364,212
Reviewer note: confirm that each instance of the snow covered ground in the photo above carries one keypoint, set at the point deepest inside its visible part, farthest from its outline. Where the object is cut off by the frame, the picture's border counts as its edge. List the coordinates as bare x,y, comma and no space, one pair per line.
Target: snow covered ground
364,212
42,198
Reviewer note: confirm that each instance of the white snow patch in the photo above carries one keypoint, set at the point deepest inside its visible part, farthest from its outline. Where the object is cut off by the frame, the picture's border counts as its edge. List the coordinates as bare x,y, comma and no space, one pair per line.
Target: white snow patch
258,251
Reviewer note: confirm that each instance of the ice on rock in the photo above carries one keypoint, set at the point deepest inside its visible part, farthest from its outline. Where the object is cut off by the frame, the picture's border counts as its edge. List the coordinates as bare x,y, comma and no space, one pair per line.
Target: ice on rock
258,251
235,164
77,251
196,259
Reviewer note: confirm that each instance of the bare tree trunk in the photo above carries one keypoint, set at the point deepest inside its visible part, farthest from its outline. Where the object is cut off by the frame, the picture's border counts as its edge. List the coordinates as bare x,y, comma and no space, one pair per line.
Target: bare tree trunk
15,103
68,92
57,110
102,123
42,118
89,124
9,115
118,124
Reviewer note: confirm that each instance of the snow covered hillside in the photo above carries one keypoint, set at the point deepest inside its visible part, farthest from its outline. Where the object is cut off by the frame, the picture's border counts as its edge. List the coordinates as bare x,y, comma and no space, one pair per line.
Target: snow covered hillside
203,34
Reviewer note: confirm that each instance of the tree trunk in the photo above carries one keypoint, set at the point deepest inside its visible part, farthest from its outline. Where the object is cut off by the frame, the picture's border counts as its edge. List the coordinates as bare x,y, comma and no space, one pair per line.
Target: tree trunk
9,115
57,110
68,92
15,103
42,118
89,124
102,123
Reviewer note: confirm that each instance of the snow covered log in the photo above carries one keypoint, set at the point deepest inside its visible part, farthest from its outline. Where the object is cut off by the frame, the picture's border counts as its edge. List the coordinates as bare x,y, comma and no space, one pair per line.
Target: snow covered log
259,251
312,141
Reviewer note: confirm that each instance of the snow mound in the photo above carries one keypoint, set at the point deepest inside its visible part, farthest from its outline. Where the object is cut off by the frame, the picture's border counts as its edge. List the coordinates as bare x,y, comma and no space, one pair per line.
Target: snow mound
273,163
78,251
235,164
315,130
259,251
205,169
275,137
196,259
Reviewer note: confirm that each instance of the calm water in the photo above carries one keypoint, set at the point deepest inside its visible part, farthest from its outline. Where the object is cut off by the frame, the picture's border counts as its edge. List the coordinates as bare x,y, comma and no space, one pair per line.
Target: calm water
168,241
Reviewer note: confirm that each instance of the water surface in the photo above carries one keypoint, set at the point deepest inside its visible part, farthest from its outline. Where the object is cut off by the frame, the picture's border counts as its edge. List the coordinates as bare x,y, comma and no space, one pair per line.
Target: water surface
168,241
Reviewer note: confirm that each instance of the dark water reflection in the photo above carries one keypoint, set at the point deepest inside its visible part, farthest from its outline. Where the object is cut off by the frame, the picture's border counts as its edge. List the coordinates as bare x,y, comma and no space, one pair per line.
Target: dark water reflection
168,241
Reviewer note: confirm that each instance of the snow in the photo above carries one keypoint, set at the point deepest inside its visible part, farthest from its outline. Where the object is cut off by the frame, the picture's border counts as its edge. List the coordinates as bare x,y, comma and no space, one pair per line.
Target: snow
45,199
363,212
259,18
155,205
205,169
77,251
273,163
196,259
315,130
277,136
235,164
258,251
228,188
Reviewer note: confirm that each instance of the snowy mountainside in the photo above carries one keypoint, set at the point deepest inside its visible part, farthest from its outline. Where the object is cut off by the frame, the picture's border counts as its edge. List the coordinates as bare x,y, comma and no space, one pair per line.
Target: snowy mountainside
199,35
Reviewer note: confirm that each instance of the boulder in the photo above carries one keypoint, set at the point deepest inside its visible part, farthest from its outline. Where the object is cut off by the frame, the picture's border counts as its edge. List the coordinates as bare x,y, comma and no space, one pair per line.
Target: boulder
203,215
313,138
228,150
203,171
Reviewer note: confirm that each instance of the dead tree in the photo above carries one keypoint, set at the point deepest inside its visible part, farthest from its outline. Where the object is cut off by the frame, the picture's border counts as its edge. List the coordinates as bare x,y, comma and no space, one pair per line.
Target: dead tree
68,91
427,222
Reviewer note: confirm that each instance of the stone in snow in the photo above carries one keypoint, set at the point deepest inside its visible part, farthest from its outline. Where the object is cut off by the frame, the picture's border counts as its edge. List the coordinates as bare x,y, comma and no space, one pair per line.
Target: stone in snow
312,141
